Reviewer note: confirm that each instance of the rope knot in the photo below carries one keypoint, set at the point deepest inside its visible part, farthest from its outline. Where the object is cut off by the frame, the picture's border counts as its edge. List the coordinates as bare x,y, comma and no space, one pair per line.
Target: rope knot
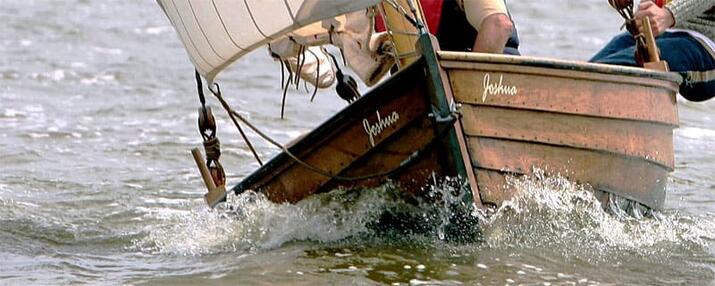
213,149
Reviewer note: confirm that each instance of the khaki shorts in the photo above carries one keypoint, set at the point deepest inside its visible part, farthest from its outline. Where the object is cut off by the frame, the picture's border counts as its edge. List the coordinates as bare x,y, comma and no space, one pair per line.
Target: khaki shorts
478,10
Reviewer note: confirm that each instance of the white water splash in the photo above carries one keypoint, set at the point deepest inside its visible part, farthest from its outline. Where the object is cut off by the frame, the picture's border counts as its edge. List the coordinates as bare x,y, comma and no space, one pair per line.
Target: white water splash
549,211
250,222
448,199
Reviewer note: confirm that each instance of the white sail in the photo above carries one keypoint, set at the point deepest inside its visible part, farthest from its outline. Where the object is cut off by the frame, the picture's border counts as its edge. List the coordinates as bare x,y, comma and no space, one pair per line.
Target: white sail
215,33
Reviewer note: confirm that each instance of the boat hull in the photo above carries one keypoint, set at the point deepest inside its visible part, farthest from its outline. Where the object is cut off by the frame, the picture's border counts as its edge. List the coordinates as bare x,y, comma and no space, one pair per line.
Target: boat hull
605,126
385,135
609,127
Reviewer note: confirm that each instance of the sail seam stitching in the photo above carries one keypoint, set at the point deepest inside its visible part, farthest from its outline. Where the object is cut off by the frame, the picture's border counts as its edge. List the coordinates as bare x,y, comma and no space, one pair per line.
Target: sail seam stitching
225,28
290,12
254,20
191,41
201,28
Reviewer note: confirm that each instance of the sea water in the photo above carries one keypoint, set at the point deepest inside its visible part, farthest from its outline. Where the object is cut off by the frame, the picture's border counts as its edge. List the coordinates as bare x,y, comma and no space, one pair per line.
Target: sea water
98,114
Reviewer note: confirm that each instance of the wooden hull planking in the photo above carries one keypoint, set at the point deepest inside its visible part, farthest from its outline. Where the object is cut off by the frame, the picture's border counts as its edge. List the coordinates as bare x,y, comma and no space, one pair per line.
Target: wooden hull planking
342,146
609,127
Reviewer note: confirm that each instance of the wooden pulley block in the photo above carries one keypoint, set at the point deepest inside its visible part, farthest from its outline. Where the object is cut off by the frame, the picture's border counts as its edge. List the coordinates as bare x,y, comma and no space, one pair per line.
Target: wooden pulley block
207,122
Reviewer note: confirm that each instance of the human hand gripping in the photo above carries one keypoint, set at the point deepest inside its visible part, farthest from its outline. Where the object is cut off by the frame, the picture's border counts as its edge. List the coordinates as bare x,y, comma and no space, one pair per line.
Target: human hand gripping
660,18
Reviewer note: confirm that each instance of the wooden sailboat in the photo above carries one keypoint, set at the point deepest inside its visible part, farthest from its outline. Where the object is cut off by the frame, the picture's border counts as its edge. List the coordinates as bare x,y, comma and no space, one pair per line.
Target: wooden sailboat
480,117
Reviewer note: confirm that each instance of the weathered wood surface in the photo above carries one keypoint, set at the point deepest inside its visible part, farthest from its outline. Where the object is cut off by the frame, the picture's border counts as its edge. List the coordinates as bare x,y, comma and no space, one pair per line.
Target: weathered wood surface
391,153
609,127
341,149
634,139
641,181
566,92
523,63
403,34
342,146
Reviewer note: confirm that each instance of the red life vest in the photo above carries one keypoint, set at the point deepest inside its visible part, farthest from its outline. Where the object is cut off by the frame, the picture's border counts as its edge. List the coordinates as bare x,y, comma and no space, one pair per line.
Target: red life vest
432,9
458,34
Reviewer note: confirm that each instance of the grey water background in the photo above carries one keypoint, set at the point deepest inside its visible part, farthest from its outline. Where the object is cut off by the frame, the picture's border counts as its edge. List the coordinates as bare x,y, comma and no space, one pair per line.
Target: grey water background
97,186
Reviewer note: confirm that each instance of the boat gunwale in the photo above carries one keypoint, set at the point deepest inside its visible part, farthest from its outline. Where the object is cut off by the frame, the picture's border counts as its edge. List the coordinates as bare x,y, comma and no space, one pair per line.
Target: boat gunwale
558,64
552,72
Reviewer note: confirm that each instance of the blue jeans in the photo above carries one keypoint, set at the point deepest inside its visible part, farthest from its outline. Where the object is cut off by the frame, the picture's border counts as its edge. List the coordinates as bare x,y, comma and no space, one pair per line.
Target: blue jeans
684,54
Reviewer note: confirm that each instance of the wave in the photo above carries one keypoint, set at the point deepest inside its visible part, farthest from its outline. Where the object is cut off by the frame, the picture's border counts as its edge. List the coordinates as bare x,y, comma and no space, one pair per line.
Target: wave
551,212
547,212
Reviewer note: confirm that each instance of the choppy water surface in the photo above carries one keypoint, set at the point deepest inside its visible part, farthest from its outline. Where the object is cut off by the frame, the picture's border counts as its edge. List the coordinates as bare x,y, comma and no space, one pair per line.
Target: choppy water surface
97,112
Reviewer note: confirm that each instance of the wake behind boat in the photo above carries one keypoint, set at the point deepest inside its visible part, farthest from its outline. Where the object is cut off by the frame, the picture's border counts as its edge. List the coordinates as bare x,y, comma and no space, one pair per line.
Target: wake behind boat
473,116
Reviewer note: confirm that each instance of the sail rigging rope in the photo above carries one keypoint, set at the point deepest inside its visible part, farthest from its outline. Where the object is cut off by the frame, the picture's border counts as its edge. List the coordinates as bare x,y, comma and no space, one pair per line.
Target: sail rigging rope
286,64
317,75
392,31
212,146
200,88
215,92
404,13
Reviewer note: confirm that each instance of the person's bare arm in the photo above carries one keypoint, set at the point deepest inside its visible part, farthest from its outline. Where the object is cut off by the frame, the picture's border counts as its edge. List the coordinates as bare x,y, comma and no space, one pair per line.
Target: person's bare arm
494,32
490,18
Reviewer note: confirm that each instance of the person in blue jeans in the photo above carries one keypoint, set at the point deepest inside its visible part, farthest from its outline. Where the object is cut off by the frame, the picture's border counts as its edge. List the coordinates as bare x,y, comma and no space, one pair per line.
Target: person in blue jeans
684,31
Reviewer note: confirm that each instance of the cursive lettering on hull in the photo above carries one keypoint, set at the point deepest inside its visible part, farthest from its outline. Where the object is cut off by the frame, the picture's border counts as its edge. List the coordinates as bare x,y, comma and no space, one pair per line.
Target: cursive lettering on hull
497,88
373,130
